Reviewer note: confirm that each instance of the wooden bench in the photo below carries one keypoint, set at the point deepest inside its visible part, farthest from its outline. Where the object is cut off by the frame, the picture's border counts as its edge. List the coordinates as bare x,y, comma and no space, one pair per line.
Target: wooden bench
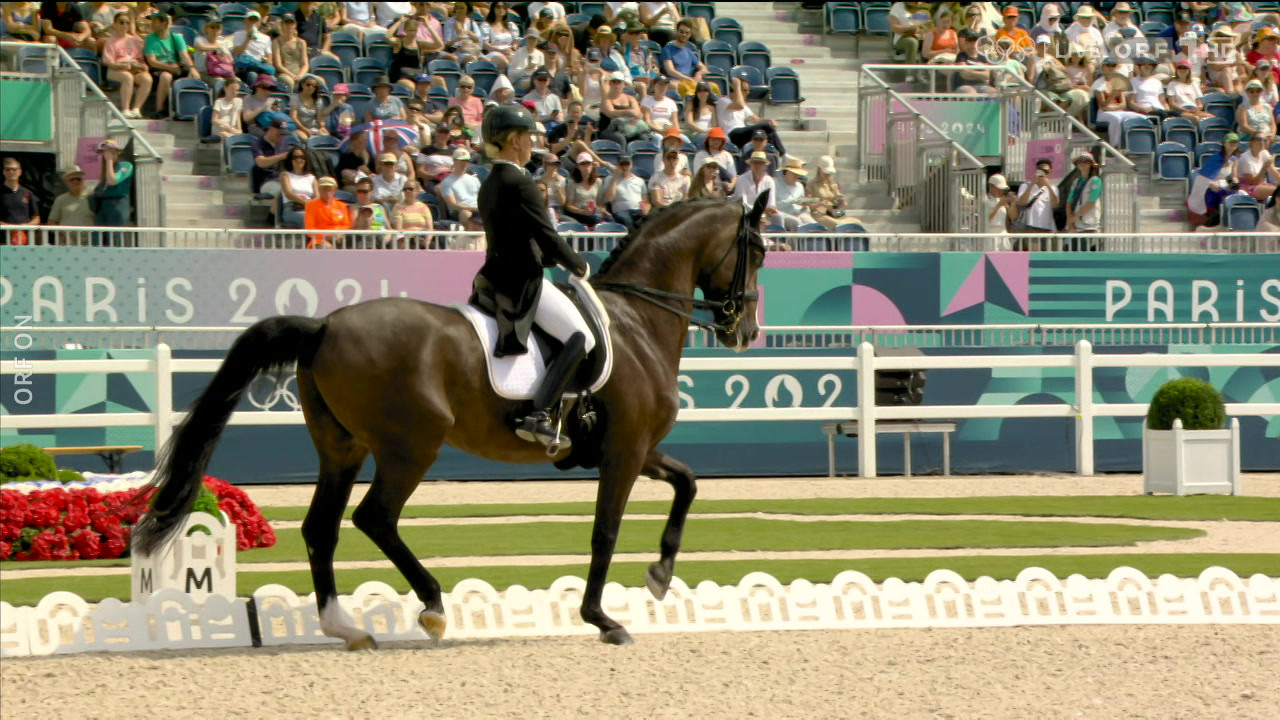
886,427
113,455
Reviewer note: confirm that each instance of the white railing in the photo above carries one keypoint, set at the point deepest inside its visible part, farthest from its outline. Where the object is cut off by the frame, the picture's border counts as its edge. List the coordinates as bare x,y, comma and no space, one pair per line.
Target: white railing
186,337
865,364
63,623
283,239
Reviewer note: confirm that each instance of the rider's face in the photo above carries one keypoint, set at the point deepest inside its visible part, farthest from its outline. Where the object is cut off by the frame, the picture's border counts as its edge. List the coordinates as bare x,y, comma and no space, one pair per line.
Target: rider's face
523,143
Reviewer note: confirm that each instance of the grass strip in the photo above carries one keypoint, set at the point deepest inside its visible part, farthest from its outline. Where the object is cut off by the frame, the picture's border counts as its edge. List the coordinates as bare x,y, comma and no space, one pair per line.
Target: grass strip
731,534
1141,507
729,572
711,535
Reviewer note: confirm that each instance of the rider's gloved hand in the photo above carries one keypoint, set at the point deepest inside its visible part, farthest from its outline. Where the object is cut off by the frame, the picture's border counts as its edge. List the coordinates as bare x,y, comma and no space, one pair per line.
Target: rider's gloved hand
581,267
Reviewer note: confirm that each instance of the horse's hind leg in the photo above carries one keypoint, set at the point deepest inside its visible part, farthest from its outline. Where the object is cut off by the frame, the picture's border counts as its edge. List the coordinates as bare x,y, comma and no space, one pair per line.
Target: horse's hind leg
399,474
340,461
681,478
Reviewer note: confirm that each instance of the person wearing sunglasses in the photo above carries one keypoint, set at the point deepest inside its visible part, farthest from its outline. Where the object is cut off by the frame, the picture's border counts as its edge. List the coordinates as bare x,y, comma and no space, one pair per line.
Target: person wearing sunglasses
122,57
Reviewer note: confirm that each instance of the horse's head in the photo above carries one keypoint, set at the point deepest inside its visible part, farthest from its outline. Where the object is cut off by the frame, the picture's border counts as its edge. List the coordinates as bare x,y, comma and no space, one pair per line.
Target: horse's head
729,281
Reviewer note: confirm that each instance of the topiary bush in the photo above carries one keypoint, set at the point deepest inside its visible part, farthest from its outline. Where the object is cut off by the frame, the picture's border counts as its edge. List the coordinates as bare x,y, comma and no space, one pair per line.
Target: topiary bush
25,462
1195,401
66,475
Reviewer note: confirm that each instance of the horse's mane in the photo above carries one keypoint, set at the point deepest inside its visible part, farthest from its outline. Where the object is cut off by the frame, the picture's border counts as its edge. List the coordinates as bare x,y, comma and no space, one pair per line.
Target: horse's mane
681,205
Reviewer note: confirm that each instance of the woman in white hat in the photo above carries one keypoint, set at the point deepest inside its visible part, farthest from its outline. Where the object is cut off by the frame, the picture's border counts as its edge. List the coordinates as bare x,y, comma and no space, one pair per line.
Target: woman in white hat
1254,116
793,205
707,181
999,207
830,208
583,199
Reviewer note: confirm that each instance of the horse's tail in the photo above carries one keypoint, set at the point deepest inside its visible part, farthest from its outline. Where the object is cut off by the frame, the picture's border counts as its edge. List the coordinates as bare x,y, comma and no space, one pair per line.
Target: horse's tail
266,346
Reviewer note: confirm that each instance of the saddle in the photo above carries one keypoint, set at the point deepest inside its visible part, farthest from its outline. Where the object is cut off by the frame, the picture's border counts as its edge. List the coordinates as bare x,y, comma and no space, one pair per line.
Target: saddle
516,377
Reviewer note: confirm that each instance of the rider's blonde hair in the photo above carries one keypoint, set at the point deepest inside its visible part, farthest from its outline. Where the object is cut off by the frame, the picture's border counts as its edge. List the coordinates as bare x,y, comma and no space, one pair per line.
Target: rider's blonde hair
492,146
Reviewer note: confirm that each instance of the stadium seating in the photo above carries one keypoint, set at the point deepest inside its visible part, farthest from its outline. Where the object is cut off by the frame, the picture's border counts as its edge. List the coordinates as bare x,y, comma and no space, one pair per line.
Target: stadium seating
1241,213
1139,136
1179,130
188,96
329,70
1173,161
238,153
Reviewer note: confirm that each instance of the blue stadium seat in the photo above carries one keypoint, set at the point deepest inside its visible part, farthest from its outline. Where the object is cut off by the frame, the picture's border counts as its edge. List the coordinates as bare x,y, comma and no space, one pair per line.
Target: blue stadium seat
1139,136
784,86
727,30
238,154
718,79
359,98
204,125
757,88
875,18
377,47
610,227
1214,129
643,156
1173,161
481,172
90,64
1275,148
398,90
187,96
188,34
1152,27
755,54
33,59
1206,148
1179,130
774,229
1222,106
850,228
843,18
366,70
591,8
484,73
326,144
1160,12
719,54
1241,213
449,70
608,150
571,227
346,46
328,69
704,10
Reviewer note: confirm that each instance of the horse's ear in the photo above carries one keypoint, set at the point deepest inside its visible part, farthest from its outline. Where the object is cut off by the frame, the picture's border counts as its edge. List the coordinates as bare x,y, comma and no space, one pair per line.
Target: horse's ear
757,211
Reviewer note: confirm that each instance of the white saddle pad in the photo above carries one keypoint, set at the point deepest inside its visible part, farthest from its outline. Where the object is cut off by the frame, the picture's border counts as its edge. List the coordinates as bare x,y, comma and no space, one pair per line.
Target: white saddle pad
517,377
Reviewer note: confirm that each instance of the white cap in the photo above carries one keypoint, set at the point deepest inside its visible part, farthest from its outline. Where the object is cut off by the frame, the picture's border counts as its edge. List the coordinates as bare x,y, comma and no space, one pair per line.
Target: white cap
584,157
827,165
462,154
998,181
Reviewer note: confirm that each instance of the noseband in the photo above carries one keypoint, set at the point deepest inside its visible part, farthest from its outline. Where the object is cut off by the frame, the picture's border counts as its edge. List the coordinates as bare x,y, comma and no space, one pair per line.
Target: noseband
731,305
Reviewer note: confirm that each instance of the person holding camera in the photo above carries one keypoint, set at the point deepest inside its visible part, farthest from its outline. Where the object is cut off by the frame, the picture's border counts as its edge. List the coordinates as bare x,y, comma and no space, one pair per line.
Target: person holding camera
1000,207
1036,200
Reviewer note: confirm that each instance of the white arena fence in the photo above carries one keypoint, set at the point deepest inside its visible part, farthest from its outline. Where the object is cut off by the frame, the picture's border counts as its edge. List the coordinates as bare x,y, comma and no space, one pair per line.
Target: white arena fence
283,239
163,366
63,623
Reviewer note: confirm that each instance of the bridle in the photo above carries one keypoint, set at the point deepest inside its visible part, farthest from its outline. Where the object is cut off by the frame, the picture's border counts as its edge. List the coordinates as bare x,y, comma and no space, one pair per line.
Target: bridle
731,304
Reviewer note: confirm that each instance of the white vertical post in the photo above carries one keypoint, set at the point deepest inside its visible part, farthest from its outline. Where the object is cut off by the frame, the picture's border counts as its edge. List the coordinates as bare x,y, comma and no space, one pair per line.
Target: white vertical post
1084,408
866,410
164,395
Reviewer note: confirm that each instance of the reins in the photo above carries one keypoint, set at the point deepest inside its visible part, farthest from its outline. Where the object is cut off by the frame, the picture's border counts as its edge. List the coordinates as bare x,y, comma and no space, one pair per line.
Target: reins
732,305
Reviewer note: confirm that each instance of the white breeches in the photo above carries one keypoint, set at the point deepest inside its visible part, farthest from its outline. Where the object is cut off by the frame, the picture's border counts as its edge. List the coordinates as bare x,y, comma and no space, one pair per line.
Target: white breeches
559,317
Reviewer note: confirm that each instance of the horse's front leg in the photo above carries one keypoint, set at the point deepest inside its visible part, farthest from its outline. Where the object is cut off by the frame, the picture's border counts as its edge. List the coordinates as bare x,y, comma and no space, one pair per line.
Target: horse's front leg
617,475
681,478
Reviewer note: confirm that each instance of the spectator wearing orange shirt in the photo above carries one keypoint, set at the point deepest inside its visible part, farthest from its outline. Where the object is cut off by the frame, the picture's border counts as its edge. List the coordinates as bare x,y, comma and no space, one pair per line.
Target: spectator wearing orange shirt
1021,38
326,212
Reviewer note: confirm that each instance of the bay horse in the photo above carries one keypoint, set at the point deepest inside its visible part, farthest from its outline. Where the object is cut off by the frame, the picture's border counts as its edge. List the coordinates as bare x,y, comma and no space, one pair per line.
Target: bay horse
399,378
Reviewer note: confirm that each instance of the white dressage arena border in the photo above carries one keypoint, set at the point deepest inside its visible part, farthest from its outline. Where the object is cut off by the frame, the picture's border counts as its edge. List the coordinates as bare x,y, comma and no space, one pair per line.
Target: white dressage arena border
63,623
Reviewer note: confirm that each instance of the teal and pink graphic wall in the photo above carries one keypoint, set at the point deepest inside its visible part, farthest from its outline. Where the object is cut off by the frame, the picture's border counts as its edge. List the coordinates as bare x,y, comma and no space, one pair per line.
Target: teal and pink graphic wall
45,286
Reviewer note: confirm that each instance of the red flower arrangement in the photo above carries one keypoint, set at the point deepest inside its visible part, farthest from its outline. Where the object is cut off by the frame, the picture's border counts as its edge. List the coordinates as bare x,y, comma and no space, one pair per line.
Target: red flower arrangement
86,524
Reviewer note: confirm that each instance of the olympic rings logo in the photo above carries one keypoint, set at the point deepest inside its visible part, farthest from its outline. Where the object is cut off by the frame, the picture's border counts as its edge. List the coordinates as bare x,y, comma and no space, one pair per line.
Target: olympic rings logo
275,390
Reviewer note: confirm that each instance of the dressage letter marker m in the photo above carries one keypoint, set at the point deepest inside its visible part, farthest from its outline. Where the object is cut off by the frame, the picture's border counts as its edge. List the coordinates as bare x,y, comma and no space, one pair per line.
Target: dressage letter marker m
200,561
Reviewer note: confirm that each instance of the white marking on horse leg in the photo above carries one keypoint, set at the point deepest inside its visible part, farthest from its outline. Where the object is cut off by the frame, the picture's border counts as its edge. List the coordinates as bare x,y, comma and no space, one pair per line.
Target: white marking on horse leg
337,622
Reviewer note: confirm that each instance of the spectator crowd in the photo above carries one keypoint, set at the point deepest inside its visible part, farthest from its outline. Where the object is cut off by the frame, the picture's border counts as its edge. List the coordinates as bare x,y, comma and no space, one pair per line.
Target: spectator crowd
1204,74
379,106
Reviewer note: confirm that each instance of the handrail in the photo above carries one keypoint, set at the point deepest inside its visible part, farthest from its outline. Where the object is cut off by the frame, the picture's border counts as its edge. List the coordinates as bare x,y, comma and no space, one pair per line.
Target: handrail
69,62
1006,71
928,123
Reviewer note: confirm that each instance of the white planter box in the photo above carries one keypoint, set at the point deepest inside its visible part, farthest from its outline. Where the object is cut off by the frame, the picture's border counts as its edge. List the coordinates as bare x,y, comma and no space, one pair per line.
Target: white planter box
194,563
1191,462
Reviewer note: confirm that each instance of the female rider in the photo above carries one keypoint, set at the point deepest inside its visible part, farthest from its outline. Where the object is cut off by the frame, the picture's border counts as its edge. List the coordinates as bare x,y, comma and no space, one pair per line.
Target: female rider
521,242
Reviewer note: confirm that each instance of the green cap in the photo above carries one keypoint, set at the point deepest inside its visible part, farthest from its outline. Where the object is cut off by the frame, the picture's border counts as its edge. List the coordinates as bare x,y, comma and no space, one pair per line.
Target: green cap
1231,137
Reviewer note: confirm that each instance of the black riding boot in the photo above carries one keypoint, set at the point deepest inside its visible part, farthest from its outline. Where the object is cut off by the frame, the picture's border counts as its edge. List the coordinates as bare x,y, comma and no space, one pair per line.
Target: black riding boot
537,427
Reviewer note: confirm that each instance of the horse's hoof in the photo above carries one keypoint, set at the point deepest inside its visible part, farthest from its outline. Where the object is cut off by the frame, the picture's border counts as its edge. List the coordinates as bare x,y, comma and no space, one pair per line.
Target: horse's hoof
616,636
658,580
362,643
433,623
